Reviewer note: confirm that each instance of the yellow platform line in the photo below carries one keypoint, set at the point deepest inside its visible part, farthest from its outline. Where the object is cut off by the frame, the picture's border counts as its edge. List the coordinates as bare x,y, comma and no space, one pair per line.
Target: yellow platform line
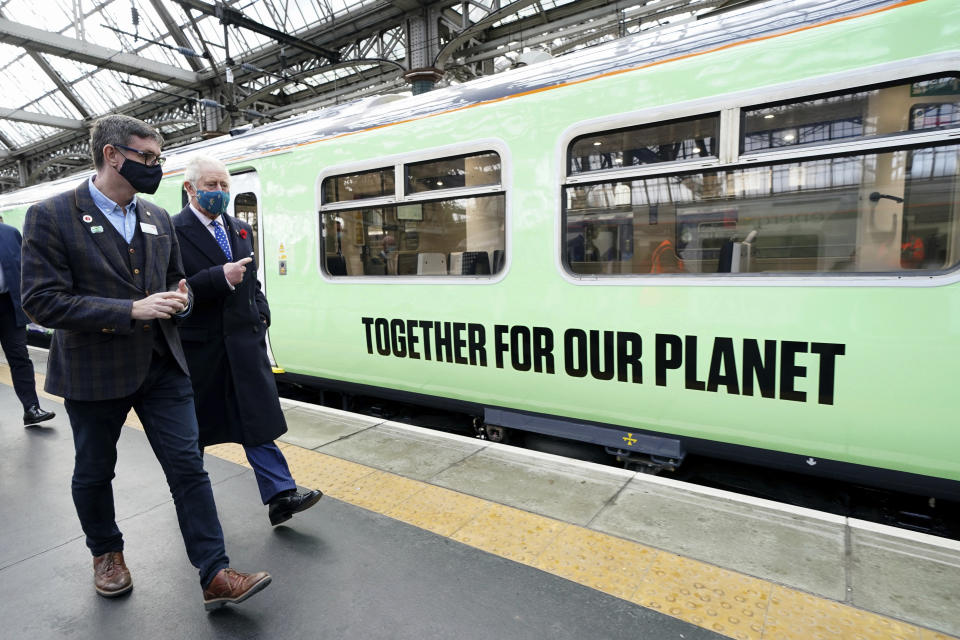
724,601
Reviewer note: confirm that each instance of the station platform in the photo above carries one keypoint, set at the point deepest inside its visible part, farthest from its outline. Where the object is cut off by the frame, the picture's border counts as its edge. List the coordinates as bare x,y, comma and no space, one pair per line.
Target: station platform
423,534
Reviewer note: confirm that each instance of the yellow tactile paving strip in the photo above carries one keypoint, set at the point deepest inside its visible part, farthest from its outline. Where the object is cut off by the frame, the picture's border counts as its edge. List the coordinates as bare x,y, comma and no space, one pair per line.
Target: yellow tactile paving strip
726,602
723,601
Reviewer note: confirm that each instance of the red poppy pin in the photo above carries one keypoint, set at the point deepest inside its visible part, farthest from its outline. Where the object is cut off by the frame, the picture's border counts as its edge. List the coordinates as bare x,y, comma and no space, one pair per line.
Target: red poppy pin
243,233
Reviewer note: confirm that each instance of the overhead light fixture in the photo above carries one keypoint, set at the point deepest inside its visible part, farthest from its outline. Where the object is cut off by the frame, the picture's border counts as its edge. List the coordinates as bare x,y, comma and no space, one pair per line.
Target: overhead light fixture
597,143
769,116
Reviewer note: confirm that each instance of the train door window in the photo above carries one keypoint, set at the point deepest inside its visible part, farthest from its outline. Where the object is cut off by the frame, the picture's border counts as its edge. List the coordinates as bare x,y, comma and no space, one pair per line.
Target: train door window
448,220
790,204
245,208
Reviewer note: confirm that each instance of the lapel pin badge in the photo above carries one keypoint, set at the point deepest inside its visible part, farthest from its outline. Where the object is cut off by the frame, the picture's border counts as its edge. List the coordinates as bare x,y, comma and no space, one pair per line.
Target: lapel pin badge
88,218
96,229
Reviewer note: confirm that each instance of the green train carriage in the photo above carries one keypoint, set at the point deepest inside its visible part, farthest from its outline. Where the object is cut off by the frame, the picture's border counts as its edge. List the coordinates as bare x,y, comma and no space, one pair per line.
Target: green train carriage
744,245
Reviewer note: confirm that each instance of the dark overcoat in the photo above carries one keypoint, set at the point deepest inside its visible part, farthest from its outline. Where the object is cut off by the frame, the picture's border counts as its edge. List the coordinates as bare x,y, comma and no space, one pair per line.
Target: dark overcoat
224,339
10,241
76,281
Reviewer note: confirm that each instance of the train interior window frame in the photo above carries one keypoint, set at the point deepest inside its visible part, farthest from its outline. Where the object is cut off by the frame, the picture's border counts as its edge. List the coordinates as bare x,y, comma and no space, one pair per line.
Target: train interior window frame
357,174
407,210
655,166
410,193
732,158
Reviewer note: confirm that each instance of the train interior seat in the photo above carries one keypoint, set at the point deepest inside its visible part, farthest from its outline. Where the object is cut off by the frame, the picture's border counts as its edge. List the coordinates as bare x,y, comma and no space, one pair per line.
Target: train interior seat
469,263
407,263
431,264
336,265
497,265
374,267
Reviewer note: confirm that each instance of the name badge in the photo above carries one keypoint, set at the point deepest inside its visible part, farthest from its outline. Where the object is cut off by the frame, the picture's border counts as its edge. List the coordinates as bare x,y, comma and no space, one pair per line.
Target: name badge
148,228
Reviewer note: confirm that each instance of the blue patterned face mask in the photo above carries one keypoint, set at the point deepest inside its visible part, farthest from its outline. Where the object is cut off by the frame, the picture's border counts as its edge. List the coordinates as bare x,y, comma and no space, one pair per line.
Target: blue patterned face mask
214,201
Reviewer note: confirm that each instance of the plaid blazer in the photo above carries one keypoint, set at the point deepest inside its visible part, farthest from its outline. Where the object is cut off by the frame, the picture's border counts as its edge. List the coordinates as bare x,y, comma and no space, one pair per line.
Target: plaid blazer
76,281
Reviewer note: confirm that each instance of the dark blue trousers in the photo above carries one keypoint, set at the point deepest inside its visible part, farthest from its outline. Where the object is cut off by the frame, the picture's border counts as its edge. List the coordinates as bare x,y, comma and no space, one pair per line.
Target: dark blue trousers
270,468
164,404
13,339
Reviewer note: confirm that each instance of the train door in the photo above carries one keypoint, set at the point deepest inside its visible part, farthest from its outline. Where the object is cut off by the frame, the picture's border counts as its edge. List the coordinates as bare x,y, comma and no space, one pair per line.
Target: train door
245,205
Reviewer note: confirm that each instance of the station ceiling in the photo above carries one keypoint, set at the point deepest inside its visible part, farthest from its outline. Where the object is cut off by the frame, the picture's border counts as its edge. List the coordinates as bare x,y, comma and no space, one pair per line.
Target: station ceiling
198,68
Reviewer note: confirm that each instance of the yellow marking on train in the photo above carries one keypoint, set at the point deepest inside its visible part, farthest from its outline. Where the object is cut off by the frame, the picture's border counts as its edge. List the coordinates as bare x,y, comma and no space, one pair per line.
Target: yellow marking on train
724,601
277,370
629,439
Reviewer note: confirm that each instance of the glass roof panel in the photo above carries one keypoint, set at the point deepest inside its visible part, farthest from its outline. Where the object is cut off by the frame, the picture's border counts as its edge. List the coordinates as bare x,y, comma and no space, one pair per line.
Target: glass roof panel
111,24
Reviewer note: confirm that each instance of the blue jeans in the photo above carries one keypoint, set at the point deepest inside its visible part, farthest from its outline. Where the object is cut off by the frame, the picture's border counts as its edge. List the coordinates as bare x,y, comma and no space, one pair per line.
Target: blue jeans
164,404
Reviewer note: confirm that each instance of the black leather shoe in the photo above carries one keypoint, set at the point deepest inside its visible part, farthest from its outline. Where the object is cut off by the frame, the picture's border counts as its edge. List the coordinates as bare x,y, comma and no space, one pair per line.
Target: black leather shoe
283,506
35,414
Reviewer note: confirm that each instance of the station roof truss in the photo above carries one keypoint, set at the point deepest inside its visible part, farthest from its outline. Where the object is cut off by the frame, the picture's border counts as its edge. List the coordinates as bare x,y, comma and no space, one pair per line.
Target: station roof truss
198,69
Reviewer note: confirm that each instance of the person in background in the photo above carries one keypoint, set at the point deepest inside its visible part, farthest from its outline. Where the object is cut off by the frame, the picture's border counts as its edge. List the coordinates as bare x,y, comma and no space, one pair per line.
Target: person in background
102,267
224,338
13,322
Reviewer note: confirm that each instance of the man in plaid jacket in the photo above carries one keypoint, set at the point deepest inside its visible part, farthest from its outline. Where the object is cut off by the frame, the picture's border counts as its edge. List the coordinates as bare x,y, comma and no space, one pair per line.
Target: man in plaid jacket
102,267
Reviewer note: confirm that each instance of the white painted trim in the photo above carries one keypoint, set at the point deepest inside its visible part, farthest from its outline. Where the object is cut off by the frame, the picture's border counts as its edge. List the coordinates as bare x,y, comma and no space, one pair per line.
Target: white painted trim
905,534
749,500
338,413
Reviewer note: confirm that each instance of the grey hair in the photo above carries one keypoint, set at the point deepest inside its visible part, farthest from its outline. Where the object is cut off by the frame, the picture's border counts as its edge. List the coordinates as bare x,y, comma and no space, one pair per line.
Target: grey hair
117,129
195,165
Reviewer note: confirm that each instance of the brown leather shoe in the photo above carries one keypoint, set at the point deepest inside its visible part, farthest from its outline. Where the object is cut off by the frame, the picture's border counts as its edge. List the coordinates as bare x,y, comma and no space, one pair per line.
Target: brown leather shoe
232,587
111,578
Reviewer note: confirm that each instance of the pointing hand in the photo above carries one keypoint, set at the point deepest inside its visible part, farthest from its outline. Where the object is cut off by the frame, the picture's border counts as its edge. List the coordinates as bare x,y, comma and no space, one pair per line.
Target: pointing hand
234,270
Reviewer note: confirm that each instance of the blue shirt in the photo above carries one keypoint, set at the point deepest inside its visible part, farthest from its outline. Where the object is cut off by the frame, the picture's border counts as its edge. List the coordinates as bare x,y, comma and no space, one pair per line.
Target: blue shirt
123,219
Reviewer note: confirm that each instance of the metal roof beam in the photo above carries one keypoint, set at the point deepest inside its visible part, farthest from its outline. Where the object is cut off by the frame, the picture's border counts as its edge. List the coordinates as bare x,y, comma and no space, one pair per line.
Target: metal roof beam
233,17
20,115
8,143
478,27
33,39
58,80
176,33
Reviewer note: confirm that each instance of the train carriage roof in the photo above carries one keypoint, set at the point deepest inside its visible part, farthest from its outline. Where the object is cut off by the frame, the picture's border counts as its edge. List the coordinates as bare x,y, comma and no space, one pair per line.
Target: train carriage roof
679,40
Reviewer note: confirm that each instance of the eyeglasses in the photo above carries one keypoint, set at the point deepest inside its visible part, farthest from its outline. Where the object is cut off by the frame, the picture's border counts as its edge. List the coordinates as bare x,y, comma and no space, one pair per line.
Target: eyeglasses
149,158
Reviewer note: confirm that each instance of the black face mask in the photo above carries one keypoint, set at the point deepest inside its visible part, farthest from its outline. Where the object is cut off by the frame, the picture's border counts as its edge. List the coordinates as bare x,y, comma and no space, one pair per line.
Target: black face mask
141,177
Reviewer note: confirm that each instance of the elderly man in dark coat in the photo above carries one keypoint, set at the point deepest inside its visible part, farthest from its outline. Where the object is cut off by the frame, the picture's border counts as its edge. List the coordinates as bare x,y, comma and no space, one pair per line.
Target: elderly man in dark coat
224,339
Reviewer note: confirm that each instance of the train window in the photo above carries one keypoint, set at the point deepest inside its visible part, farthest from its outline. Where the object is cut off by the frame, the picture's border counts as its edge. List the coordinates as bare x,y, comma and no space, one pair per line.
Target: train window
357,186
687,139
477,170
462,234
870,212
891,109
458,236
